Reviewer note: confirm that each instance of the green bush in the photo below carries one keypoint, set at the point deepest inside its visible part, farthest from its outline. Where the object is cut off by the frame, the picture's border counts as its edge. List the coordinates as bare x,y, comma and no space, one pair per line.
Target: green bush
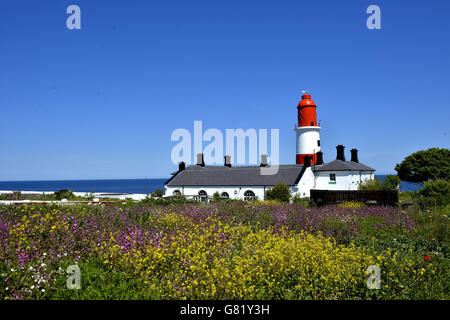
408,195
391,183
436,192
374,184
280,192
216,196
64,194
157,193
436,188
305,202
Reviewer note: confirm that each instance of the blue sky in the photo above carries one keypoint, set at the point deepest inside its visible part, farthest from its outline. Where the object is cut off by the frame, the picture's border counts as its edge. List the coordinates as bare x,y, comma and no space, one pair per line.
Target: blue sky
102,102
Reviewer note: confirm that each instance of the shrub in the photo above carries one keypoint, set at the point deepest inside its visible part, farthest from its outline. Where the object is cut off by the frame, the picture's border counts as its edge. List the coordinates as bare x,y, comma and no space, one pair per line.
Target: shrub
64,194
408,195
158,193
436,188
371,184
216,196
280,192
436,192
306,202
391,183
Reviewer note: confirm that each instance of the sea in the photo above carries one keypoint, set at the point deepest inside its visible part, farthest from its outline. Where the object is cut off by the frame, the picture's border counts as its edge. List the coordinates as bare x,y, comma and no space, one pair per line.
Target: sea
143,186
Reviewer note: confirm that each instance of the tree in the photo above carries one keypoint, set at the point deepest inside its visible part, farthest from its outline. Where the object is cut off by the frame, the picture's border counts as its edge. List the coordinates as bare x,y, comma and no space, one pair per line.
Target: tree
425,165
391,182
280,192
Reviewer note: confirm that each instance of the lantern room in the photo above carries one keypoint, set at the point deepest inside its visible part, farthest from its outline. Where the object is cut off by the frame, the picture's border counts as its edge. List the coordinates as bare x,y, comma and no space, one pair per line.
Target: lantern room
307,112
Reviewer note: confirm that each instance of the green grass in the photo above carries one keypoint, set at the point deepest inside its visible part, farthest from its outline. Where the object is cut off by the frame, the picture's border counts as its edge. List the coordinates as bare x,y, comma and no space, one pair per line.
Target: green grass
100,283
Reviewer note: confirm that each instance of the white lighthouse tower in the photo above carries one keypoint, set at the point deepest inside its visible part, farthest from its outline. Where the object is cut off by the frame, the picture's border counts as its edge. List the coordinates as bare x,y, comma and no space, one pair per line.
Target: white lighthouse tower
307,130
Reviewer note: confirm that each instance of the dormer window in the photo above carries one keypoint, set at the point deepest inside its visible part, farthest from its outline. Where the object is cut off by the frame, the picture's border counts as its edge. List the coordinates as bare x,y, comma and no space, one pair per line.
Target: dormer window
332,177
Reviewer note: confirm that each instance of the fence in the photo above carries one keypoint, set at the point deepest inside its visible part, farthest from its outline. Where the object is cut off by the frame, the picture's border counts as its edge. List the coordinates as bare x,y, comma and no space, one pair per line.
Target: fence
381,198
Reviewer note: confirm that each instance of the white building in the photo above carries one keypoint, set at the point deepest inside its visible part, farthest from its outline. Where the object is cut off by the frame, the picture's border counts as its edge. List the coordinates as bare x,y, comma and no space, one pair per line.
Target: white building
247,182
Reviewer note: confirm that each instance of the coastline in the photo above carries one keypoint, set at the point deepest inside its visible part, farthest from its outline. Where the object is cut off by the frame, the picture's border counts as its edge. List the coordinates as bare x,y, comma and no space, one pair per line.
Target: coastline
97,196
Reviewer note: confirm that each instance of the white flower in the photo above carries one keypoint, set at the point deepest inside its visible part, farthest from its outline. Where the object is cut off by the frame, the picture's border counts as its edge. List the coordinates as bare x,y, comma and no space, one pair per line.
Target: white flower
32,287
6,288
65,254
43,265
43,290
12,270
44,254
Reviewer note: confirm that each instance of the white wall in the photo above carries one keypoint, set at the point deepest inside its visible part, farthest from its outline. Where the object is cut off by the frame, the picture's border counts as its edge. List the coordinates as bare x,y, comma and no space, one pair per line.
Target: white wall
306,183
235,192
345,180
307,140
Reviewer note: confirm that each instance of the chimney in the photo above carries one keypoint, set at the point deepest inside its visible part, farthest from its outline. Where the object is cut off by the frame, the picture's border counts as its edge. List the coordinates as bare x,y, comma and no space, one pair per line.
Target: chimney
200,160
354,155
319,158
307,161
264,160
340,152
227,162
181,166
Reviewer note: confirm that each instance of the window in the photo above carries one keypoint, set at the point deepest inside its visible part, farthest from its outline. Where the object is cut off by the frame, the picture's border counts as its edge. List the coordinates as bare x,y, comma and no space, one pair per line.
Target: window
332,177
225,196
318,143
177,193
249,195
203,196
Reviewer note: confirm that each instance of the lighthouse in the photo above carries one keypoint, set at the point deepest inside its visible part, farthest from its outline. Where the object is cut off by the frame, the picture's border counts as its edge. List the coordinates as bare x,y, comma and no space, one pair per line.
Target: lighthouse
307,130
203,182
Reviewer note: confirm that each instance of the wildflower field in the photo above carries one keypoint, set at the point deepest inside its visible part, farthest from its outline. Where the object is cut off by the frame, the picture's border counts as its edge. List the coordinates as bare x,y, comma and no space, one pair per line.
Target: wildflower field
233,250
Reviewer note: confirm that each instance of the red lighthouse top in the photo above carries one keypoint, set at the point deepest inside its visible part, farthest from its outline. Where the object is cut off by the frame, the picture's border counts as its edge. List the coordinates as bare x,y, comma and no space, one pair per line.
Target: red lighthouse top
307,112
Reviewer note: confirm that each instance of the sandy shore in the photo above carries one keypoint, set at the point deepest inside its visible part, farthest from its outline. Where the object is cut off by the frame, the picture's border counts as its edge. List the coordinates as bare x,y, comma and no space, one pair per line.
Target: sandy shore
97,195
